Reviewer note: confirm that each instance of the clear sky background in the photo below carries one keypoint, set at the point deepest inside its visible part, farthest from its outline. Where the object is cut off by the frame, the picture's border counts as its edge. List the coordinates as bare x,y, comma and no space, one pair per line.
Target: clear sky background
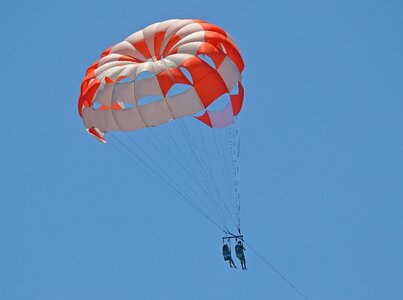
322,158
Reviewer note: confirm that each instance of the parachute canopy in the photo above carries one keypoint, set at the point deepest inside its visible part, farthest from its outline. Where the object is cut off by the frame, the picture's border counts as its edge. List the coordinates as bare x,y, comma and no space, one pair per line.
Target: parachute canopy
166,71
184,71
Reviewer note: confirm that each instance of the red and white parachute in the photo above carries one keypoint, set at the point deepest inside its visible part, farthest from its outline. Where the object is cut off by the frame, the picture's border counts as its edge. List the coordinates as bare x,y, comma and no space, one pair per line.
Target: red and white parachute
173,72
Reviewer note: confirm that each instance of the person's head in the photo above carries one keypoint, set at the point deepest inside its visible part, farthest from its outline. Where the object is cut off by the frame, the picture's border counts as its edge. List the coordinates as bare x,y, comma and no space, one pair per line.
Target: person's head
239,243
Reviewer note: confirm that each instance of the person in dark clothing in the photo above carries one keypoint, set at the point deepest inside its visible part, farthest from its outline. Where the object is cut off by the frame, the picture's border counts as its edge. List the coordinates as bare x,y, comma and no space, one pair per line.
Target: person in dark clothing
226,252
239,251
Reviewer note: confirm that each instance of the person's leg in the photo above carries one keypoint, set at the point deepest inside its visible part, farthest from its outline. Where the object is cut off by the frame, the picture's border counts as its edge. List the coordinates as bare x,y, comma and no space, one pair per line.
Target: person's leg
243,268
233,263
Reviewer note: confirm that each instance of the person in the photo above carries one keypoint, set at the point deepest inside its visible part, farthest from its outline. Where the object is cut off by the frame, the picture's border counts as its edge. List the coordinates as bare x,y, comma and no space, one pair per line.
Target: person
239,251
226,252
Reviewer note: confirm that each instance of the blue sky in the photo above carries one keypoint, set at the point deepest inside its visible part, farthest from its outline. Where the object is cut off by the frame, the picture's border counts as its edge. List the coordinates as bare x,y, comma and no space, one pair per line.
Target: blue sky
322,163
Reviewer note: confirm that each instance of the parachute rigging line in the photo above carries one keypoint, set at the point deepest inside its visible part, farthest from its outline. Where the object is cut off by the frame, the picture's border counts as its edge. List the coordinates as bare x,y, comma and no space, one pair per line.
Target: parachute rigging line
198,158
205,187
222,198
149,170
172,166
188,169
222,160
283,277
206,172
